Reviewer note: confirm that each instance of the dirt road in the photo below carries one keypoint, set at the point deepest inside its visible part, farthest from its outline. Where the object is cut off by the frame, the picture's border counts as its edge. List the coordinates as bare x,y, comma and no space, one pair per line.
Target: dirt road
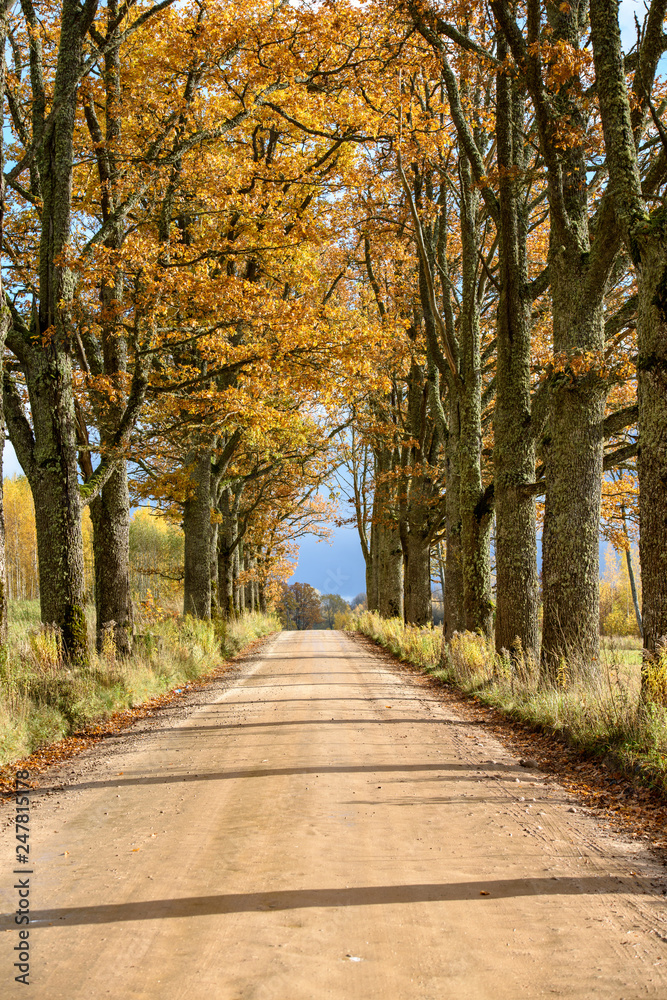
325,828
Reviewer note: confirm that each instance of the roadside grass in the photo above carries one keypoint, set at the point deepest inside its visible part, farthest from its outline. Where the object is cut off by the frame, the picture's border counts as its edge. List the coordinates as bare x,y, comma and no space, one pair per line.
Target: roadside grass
598,711
42,700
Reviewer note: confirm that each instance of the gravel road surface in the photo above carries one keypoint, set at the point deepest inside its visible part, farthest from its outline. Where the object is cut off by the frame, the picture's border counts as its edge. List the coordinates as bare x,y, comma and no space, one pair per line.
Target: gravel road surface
324,827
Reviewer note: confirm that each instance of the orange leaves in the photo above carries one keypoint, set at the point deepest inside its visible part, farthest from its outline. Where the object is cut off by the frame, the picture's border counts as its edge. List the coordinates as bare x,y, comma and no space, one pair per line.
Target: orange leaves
564,62
619,514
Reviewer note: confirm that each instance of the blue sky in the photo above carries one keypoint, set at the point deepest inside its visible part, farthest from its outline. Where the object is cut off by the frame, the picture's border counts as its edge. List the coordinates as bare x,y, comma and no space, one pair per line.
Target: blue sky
332,568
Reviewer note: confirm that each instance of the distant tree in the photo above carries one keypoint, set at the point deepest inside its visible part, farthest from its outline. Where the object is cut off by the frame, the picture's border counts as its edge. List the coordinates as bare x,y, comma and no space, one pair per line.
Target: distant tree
437,606
332,604
156,556
299,607
358,601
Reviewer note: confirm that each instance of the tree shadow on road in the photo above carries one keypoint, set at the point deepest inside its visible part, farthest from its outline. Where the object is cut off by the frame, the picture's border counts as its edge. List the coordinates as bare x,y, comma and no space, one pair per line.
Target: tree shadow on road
461,770
294,899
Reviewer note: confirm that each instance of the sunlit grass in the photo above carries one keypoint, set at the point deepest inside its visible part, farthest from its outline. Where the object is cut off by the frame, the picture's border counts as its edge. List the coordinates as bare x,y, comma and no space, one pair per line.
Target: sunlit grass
42,699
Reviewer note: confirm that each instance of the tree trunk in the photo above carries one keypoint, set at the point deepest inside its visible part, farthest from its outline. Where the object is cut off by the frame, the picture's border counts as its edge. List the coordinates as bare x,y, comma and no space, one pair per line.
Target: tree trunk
475,516
389,549
213,565
48,453
373,569
239,591
452,600
225,576
645,235
4,325
50,463
418,610
633,590
513,450
573,454
250,584
578,273
390,573
197,529
110,515
652,455
227,541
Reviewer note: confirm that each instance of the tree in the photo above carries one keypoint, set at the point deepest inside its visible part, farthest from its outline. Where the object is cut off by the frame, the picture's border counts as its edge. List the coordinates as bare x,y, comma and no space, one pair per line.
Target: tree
645,233
332,605
299,606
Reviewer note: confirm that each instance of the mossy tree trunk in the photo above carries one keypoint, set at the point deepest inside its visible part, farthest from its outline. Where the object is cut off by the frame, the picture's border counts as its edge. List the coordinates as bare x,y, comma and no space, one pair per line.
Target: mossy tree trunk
645,235
239,589
453,596
581,257
513,449
107,356
389,550
418,609
652,455
573,452
197,529
48,450
4,326
418,503
228,540
110,515
372,571
213,568
474,512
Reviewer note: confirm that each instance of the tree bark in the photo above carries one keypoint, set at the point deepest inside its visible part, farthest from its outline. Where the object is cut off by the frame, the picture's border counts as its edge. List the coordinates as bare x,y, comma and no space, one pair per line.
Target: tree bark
573,452
645,235
513,449
475,517
227,545
373,569
389,549
453,620
652,454
578,271
47,453
418,609
110,515
110,511
197,529
213,564
633,590
4,326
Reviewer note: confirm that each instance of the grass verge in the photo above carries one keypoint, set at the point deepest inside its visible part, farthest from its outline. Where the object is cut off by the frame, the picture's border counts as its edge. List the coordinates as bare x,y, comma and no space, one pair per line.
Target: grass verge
42,700
597,711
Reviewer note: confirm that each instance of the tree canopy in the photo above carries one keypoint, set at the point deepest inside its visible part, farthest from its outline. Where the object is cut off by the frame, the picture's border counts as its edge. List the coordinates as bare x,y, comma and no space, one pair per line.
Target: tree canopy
419,248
